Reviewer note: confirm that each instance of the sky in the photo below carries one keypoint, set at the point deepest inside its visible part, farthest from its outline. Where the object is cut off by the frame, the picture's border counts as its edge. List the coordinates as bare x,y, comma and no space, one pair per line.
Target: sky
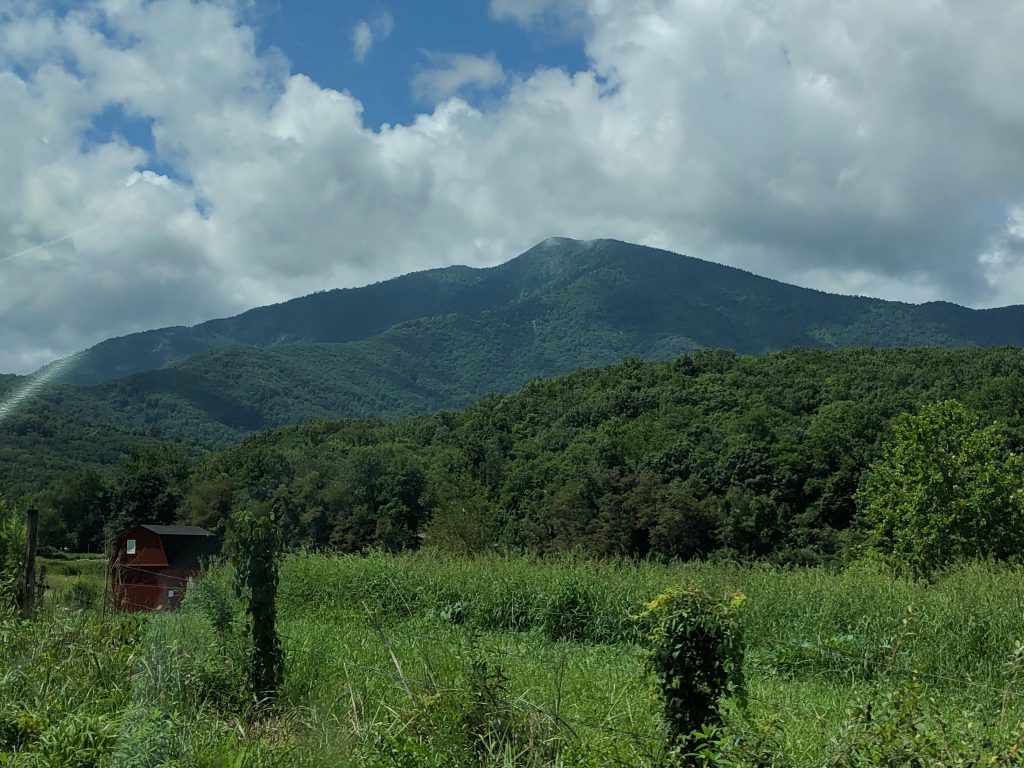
164,162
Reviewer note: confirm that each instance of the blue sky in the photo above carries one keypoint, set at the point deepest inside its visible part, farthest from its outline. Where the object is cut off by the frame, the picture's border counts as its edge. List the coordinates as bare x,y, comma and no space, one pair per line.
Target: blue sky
316,37
170,161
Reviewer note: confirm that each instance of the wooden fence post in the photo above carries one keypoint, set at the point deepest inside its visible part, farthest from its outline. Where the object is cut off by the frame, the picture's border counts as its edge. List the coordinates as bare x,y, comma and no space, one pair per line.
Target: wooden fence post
27,587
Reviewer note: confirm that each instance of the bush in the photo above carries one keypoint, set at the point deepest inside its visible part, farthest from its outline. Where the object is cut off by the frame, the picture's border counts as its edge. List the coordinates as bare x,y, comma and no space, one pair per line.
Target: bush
696,654
19,730
213,597
905,727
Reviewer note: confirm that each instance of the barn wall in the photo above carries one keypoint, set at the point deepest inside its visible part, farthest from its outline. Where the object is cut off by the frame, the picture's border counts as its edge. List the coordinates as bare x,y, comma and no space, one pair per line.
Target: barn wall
135,579
146,581
142,589
149,550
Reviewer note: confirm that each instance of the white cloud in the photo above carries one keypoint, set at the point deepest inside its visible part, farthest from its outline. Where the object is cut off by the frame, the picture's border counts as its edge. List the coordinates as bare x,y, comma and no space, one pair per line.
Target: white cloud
366,34
876,147
450,73
572,14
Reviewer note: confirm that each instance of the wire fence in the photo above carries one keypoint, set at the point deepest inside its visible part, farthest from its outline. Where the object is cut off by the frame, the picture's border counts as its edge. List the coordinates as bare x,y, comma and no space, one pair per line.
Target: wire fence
520,703
866,661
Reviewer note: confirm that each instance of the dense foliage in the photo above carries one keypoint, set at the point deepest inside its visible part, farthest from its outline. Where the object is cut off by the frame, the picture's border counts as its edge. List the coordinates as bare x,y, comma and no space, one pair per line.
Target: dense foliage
945,489
12,548
424,662
254,545
443,339
712,453
696,655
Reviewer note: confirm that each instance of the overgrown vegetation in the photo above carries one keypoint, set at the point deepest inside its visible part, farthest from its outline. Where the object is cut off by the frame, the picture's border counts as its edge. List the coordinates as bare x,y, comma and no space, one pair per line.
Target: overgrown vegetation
696,654
418,661
12,548
254,546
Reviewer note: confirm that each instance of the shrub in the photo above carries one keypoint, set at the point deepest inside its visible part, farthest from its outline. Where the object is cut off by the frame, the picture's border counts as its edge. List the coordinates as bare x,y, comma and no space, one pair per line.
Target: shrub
19,730
567,610
213,597
696,654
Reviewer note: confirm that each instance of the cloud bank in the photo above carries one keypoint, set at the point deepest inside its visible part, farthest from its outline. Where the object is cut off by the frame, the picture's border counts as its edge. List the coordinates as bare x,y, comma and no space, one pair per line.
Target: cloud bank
870,147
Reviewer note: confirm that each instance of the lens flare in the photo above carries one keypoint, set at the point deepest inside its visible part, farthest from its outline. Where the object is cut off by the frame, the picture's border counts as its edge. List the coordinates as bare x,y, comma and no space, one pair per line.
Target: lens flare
22,394
43,246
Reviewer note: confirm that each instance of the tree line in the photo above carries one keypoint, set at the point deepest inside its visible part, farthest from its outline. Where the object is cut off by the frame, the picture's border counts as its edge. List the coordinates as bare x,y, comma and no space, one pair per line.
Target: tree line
792,457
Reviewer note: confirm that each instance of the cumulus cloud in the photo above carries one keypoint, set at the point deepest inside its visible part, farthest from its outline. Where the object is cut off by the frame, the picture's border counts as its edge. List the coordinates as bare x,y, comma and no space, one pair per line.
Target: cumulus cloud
366,33
447,74
872,147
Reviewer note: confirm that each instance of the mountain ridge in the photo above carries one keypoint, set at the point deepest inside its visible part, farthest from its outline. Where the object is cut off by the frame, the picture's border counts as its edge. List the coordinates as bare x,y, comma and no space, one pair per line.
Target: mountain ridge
344,315
450,337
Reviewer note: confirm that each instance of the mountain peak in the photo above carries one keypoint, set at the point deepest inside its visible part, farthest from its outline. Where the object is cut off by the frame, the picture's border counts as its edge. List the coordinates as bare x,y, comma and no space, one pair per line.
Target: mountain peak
579,302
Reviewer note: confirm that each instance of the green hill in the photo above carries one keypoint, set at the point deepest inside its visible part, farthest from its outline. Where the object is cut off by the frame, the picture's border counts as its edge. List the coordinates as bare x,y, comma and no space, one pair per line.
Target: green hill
55,430
753,455
445,338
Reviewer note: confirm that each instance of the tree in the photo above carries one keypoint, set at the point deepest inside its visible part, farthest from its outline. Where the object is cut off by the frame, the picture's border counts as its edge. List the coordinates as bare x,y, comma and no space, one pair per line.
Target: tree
464,521
148,486
377,499
78,505
944,489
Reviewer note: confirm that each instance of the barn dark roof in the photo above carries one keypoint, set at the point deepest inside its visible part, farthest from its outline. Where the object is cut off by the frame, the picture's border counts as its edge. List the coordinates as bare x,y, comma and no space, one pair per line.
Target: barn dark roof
177,530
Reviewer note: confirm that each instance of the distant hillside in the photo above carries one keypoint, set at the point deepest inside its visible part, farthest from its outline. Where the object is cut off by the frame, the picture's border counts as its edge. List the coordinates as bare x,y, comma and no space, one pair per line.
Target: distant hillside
58,429
445,338
757,456
595,301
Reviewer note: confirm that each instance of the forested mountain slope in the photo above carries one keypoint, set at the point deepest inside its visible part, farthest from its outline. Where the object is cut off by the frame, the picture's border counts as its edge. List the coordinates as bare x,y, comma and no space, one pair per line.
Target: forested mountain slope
444,338
583,303
753,456
54,430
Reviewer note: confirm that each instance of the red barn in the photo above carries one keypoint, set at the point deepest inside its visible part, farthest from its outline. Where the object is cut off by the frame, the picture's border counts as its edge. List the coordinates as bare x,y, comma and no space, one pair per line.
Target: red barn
151,564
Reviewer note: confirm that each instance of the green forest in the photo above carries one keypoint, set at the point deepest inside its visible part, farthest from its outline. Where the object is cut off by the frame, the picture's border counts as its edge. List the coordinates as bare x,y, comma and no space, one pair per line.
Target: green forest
786,457
441,340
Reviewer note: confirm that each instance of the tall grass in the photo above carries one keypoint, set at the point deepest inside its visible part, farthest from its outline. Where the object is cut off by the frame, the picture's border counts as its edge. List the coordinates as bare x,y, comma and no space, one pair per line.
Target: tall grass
421,661
846,624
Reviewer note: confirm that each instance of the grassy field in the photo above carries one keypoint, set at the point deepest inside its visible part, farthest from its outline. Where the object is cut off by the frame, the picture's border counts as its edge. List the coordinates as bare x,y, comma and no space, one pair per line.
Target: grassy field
419,661
74,579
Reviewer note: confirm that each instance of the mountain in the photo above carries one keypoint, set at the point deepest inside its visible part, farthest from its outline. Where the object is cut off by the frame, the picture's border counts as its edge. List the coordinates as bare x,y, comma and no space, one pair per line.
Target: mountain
447,337
595,301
